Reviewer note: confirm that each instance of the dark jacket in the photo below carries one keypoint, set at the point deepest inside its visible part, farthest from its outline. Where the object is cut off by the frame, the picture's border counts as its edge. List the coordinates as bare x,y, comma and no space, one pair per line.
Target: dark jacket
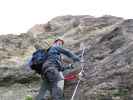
54,56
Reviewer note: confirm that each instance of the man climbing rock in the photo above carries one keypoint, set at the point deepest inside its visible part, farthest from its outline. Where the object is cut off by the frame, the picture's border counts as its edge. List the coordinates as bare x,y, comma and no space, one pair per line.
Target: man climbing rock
51,72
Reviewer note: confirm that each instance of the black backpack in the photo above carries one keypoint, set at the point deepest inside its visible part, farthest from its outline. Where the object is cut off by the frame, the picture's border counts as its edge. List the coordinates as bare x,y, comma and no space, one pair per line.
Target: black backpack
37,60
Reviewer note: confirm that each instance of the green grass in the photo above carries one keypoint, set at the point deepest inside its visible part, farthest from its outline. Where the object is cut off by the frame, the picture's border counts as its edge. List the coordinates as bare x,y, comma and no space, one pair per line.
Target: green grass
28,97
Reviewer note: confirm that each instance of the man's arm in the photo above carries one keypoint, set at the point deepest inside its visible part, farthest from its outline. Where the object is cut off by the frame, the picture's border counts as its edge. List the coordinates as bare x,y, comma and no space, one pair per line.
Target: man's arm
68,53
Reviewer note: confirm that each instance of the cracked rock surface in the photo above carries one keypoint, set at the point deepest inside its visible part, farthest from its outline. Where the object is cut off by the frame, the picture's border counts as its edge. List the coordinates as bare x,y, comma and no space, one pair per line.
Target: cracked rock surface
108,56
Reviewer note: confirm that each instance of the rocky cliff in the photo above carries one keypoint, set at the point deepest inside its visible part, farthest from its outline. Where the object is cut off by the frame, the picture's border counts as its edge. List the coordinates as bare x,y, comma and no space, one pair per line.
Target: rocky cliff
108,57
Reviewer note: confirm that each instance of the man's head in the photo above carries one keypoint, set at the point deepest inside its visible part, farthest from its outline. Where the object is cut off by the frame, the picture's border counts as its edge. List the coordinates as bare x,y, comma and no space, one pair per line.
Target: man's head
59,42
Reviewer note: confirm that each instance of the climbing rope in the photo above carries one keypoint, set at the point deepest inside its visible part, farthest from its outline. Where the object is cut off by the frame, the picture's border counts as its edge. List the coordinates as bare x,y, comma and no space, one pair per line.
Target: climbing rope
82,70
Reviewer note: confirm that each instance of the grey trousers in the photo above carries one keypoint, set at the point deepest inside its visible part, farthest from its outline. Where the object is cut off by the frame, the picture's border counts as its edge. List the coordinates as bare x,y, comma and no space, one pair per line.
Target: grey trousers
55,89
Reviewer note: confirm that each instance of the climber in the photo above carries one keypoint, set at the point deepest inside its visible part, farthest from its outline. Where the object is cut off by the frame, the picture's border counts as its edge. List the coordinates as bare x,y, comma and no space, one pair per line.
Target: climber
51,72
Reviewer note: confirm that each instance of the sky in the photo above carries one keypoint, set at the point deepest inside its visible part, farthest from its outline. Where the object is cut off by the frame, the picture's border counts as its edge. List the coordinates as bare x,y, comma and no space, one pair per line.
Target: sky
18,16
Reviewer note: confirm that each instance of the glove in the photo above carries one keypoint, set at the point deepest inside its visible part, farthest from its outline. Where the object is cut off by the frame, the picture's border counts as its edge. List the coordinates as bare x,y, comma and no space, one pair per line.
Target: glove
66,67
70,66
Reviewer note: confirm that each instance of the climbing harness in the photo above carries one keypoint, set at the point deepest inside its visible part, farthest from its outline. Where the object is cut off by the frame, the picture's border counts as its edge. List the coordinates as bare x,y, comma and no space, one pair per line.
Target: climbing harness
82,70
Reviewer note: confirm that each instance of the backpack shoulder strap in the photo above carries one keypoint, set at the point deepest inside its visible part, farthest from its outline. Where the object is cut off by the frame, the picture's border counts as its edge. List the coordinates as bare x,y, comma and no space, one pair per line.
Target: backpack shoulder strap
48,49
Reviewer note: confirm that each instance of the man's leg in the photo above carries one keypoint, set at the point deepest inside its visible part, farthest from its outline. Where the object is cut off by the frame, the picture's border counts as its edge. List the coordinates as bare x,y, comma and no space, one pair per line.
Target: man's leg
44,91
56,82
57,90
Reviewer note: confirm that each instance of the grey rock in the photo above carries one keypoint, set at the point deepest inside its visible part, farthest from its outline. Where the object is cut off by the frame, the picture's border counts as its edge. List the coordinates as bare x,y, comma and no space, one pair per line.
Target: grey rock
108,56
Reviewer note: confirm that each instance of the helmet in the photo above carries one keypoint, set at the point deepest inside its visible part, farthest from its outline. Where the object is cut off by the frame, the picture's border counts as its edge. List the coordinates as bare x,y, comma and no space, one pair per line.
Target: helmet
59,40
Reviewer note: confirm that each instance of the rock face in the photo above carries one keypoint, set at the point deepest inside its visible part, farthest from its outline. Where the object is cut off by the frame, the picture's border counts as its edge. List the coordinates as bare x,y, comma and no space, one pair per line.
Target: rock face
109,68
108,57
